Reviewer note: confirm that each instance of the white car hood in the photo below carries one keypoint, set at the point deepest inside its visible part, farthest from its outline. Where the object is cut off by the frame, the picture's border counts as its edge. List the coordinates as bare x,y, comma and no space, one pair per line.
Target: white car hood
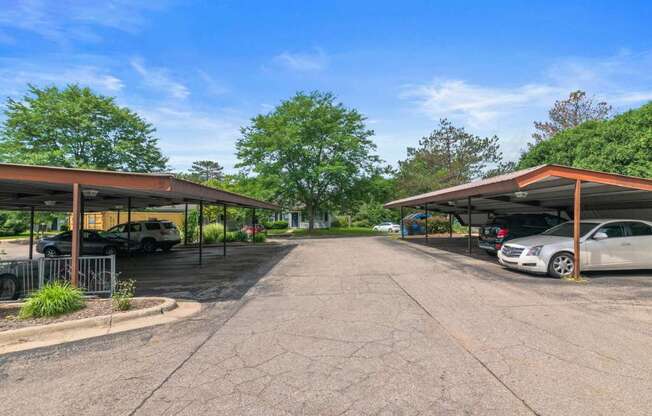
538,240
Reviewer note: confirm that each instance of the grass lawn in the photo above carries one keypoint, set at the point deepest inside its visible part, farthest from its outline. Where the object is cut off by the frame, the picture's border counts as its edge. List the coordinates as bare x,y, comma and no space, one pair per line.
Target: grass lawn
300,232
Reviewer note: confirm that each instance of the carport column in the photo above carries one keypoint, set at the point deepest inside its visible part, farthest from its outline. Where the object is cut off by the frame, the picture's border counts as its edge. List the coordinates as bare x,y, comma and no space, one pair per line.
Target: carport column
450,225
185,226
201,229
31,233
128,225
426,223
253,223
401,222
224,231
468,210
577,207
74,252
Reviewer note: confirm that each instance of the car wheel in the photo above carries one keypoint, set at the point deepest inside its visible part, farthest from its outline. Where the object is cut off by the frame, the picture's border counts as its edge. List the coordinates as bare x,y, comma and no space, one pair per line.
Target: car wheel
149,246
110,251
50,252
8,287
561,264
492,253
166,248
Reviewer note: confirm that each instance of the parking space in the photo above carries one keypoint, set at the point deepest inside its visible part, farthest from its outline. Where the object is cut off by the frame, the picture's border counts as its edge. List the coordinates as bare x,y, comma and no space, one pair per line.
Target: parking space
178,274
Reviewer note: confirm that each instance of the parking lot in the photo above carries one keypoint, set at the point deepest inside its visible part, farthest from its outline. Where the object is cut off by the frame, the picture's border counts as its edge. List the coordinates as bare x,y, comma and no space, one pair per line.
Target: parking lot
364,326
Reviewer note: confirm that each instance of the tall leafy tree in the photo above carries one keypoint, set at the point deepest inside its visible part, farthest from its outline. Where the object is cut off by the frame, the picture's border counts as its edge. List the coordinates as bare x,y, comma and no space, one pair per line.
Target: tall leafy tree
448,156
206,170
620,145
314,149
571,112
74,127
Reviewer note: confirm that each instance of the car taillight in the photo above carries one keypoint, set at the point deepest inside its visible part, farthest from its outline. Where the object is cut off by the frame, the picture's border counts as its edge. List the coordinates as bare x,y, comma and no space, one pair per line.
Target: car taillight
498,246
502,233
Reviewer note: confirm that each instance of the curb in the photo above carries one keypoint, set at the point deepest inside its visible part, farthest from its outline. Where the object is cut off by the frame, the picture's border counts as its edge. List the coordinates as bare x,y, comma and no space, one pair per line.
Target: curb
23,334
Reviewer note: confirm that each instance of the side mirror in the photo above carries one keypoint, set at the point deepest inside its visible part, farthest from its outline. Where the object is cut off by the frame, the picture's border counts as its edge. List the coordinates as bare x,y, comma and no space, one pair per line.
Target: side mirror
600,236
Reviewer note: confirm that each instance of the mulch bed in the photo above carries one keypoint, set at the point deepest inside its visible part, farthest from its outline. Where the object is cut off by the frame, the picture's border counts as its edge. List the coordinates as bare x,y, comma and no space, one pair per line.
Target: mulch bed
94,307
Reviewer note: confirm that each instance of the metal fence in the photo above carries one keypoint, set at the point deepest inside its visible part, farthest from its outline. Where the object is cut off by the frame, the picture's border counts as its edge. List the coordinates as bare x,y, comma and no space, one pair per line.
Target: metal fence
96,274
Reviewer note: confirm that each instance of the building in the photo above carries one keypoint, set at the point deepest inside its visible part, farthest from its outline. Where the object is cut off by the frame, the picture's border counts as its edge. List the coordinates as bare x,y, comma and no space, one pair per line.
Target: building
104,220
298,218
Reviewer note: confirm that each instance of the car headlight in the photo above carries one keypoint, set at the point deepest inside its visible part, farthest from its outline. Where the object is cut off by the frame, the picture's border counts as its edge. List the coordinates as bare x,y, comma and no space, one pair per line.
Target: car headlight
534,251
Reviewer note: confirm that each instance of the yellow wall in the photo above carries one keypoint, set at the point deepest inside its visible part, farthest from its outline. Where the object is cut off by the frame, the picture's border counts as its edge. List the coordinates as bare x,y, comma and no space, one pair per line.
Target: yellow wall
107,219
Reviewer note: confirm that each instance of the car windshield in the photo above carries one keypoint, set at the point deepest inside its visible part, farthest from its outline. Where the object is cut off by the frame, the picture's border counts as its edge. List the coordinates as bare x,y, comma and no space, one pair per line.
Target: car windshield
566,229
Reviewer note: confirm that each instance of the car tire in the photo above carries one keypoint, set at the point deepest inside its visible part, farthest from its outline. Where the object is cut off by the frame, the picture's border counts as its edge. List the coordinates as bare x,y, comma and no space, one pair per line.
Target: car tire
110,251
166,248
561,264
8,287
149,245
491,253
51,252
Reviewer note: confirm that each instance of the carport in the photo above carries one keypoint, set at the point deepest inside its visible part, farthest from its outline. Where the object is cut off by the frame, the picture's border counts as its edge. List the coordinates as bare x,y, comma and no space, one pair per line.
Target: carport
567,192
43,188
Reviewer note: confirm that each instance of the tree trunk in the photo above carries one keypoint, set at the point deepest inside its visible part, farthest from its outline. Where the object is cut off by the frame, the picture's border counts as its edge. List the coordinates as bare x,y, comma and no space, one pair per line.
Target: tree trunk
311,218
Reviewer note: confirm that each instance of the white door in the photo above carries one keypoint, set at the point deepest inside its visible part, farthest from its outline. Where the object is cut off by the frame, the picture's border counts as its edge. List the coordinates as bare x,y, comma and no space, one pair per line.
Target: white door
640,236
613,252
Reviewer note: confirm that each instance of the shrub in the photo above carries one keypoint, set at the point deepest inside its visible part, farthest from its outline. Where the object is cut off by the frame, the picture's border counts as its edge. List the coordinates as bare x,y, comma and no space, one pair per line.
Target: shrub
53,299
278,225
240,236
213,233
260,238
123,294
361,224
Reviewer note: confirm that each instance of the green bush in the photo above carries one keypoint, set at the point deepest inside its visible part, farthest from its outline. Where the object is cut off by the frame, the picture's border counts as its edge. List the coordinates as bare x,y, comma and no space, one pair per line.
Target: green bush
125,291
361,224
278,225
53,299
213,233
240,236
259,238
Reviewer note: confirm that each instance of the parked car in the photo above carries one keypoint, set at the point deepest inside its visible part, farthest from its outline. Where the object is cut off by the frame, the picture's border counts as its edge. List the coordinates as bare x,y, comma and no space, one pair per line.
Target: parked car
249,229
503,228
387,227
151,234
605,245
92,243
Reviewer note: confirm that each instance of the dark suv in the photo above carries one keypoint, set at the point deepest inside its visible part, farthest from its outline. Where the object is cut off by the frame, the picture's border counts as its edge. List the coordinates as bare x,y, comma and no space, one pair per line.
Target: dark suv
507,227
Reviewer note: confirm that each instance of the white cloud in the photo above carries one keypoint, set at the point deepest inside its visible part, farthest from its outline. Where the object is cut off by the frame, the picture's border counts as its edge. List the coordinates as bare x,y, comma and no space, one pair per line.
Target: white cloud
14,77
509,111
211,85
159,79
66,20
303,61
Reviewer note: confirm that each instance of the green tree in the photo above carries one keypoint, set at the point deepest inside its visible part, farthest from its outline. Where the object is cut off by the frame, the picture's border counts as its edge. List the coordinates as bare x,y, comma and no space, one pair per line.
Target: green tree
73,127
206,170
571,112
448,156
620,145
315,149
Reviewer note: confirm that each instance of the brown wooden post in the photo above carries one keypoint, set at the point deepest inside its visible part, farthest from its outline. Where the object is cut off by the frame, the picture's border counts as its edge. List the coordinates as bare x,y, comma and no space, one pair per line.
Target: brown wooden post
128,226
224,231
201,230
31,233
426,208
577,207
253,222
74,253
468,210
450,225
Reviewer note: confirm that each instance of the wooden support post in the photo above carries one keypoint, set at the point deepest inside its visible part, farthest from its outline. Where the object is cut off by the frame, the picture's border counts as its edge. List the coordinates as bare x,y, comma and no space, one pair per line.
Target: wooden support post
224,231
128,226
577,208
117,220
468,210
185,226
74,252
31,233
450,225
401,223
253,222
426,223
201,230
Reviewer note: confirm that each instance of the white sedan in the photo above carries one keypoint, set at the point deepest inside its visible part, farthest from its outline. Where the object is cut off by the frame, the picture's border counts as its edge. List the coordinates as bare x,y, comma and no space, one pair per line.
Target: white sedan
605,245
387,227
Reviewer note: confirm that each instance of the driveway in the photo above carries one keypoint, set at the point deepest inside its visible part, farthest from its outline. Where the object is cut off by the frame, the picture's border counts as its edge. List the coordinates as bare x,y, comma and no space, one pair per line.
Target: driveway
365,326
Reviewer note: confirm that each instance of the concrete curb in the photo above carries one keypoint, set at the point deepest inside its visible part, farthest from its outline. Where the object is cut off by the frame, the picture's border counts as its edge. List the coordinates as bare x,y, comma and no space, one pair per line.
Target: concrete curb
104,321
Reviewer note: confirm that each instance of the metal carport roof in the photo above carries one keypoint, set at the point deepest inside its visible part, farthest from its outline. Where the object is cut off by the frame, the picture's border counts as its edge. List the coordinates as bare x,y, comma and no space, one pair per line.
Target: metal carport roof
546,188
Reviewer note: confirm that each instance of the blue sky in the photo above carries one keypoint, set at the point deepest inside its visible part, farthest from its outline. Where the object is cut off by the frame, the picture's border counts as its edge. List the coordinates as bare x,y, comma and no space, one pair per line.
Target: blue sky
198,70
